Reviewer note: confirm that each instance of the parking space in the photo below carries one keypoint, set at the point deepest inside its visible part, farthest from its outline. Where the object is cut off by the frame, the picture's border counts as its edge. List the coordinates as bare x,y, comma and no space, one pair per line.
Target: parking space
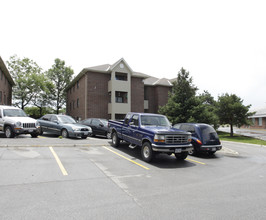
80,179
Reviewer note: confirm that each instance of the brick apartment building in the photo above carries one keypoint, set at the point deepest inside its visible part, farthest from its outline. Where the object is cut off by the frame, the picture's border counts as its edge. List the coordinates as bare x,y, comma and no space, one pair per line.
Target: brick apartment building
6,83
111,91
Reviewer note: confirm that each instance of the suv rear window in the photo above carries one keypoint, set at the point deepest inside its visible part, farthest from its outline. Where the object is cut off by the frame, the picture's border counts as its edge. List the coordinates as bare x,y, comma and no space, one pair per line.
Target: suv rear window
208,132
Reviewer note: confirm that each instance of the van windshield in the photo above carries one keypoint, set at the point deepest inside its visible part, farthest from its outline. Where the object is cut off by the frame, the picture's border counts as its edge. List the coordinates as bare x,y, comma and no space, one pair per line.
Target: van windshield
14,113
154,120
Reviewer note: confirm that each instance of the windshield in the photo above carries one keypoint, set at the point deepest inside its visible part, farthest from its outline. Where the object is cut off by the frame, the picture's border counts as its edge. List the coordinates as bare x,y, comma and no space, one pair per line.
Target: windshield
66,119
14,113
154,120
105,122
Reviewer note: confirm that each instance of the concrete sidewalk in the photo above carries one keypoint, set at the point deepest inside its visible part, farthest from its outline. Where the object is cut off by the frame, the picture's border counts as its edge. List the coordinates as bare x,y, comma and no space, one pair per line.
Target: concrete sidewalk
255,133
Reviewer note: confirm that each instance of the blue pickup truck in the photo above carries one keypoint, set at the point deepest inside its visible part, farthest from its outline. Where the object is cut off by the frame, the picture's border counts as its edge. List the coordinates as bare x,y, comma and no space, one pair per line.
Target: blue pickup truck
153,133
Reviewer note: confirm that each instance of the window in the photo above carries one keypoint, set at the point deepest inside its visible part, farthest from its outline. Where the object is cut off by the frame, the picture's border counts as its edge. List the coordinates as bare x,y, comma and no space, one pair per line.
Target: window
121,76
120,97
253,121
135,120
77,103
95,122
119,116
260,121
109,97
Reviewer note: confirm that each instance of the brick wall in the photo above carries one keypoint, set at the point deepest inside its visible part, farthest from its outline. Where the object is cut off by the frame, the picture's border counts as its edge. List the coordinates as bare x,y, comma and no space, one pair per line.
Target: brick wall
256,123
76,94
5,90
161,93
150,96
98,98
137,95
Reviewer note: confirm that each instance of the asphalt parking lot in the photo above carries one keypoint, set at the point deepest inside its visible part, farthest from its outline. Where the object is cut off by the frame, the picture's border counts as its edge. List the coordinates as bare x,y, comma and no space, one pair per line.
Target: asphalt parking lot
52,178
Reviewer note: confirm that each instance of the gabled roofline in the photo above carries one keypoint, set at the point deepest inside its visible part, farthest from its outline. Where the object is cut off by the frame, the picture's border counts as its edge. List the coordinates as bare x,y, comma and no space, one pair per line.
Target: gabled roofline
119,61
109,69
6,72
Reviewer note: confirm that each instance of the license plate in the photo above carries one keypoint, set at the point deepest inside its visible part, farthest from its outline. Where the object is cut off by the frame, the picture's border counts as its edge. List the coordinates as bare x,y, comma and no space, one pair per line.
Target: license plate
31,130
214,149
178,150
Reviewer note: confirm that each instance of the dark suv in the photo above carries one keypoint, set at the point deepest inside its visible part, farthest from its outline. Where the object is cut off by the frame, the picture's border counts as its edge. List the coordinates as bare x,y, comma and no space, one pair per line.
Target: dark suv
204,137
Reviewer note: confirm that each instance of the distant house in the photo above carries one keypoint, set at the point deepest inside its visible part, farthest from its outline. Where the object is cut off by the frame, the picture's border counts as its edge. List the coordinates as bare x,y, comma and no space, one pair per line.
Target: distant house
111,91
6,84
259,118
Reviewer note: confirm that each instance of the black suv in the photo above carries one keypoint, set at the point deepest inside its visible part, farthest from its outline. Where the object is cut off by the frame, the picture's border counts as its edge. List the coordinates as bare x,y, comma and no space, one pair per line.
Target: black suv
204,137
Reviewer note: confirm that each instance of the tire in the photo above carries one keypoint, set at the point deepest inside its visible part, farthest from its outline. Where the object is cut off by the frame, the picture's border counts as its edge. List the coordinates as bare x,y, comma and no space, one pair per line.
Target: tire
115,139
147,153
181,156
34,135
9,132
64,133
211,153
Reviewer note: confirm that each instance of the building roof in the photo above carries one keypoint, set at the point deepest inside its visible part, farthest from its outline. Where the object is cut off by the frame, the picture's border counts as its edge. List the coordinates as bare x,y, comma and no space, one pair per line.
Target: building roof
6,72
107,68
259,112
153,81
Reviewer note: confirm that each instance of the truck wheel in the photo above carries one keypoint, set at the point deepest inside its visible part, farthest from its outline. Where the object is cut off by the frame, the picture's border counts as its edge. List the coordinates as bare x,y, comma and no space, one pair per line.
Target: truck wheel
181,156
9,132
115,139
147,152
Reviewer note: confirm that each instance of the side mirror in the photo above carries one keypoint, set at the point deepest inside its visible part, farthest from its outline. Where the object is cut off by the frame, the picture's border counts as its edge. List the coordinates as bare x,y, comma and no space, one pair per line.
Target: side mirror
55,121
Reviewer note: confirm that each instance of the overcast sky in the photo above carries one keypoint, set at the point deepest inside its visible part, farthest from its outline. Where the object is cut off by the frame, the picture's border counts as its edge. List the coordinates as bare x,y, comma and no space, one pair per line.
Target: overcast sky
221,43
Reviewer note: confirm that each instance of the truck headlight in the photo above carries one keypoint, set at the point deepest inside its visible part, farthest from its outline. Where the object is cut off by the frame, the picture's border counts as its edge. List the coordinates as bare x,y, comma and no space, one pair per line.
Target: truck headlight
18,124
159,138
189,138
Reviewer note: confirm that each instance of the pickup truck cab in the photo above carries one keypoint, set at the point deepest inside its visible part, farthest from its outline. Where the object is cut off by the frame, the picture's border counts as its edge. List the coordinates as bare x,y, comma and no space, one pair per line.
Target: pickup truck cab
153,133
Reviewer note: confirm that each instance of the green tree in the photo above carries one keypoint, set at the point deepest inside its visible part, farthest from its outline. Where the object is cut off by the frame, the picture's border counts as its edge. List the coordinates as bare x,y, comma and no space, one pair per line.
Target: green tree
181,99
206,110
232,111
61,76
43,98
25,73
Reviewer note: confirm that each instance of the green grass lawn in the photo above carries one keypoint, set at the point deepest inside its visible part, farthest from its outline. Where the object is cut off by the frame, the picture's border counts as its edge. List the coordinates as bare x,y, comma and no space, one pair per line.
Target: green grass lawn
239,138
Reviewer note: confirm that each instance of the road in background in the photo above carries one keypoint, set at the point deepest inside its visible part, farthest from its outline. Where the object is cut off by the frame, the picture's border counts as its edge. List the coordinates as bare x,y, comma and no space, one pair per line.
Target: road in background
255,133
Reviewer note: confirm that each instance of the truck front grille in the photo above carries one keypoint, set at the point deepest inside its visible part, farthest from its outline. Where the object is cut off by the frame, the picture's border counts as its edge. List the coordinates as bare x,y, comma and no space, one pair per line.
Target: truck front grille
28,125
176,139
